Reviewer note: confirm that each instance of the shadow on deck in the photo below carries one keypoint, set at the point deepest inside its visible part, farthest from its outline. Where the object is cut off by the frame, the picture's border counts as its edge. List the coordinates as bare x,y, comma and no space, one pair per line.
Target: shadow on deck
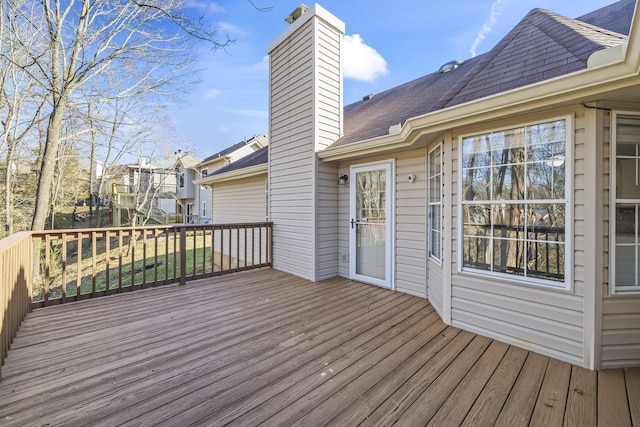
267,347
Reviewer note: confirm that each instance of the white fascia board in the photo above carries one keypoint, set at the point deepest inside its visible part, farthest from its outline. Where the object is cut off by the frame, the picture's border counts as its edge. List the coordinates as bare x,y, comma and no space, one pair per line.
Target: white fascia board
233,175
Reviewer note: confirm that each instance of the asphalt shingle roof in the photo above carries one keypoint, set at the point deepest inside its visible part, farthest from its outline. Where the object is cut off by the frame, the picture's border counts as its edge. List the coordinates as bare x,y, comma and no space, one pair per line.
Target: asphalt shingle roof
543,45
254,159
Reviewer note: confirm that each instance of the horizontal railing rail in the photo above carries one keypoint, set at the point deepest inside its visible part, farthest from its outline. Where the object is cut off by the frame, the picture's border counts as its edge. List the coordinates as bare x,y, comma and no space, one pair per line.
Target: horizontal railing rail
74,265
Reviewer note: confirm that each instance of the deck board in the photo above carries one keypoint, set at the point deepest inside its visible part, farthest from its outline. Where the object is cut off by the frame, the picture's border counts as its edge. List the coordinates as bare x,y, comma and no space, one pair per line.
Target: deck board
264,347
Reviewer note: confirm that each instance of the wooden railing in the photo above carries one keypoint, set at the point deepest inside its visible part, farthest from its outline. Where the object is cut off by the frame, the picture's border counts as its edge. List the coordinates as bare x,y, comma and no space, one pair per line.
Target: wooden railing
16,263
39,269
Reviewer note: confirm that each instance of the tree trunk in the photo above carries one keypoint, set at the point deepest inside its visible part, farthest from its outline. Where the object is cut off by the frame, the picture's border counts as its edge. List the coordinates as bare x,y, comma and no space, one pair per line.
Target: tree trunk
45,179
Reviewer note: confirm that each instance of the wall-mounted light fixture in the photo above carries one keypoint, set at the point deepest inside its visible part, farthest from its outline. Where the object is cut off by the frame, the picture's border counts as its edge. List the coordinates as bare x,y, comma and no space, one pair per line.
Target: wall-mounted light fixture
412,178
342,179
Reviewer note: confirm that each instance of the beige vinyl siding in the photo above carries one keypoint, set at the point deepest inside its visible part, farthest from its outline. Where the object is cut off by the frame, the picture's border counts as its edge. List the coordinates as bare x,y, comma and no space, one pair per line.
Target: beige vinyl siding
290,153
411,223
620,331
548,321
327,221
305,116
620,343
435,286
240,201
328,126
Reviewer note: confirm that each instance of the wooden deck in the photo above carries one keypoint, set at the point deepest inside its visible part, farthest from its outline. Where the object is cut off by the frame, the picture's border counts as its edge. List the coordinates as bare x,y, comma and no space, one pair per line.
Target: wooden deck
264,347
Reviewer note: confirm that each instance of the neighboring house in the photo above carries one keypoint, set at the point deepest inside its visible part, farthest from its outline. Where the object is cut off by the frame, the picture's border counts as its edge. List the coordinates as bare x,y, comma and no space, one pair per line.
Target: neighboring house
203,202
503,188
148,190
186,191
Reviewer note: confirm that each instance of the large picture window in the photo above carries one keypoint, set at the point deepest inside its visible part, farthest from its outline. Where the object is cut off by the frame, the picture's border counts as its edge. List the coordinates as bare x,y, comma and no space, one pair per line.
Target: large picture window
435,203
626,241
513,191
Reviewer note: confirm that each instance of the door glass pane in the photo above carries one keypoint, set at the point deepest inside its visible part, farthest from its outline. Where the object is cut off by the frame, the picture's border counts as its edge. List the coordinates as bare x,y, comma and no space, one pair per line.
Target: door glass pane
371,250
370,224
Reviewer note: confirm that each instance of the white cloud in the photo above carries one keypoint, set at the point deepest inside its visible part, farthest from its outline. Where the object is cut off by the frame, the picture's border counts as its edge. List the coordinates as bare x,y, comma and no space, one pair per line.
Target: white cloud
223,129
210,6
230,29
497,8
212,93
362,62
263,65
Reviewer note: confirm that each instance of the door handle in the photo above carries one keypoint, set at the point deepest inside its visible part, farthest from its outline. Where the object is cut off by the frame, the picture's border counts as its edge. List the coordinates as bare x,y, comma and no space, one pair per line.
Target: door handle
353,223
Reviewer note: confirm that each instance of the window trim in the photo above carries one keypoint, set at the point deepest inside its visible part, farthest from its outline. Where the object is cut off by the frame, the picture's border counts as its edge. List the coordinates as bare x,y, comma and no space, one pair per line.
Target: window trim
612,204
432,257
181,180
567,284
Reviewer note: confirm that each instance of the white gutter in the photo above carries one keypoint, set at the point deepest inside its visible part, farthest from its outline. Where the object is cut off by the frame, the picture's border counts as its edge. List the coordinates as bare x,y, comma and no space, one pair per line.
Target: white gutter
618,74
233,175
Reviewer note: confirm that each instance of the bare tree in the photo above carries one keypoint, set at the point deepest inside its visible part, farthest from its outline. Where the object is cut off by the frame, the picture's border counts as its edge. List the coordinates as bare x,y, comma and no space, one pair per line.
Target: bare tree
84,44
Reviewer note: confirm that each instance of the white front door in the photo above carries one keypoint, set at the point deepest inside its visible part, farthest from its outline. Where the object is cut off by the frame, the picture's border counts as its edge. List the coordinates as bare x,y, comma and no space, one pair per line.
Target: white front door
371,219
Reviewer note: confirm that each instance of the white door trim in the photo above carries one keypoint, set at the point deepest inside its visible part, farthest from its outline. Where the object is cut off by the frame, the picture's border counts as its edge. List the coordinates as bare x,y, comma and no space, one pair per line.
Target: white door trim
389,168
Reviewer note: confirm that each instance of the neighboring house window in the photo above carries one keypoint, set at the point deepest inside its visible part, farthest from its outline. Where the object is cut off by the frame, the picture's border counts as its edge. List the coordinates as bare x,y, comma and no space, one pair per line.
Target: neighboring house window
513,192
204,209
204,173
181,180
189,216
626,226
435,203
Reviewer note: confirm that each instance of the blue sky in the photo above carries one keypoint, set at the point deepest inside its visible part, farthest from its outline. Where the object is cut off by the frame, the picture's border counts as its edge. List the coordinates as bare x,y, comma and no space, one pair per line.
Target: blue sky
387,44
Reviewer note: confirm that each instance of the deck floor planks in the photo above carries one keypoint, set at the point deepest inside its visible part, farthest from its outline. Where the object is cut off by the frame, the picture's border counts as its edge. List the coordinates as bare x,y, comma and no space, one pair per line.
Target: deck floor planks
347,385
392,408
518,408
365,403
434,396
187,394
251,347
488,405
632,382
268,400
458,403
582,400
552,399
162,347
199,367
292,398
613,407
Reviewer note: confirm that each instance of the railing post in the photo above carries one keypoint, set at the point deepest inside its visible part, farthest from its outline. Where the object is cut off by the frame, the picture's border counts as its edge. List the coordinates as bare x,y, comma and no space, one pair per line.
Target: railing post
183,255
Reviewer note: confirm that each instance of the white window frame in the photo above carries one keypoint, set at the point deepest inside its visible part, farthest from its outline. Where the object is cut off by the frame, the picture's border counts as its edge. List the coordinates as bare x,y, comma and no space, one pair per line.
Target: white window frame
613,289
567,284
437,258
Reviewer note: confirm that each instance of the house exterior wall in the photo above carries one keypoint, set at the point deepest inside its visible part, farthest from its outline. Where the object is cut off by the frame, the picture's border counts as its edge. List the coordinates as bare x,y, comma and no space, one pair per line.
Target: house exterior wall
548,321
620,322
410,268
188,191
305,116
240,200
